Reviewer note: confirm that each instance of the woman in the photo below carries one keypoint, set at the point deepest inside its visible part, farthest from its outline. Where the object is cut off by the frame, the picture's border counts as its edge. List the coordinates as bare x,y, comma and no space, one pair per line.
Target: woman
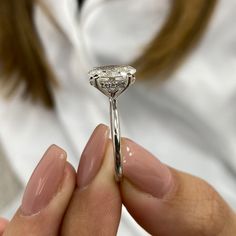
188,121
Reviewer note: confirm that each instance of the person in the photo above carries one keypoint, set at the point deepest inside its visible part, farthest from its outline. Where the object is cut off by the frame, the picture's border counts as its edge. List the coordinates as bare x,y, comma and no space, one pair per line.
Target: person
186,120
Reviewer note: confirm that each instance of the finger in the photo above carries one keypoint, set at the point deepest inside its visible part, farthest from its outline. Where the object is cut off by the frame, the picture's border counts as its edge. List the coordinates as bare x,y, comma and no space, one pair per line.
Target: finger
168,202
3,224
96,204
46,197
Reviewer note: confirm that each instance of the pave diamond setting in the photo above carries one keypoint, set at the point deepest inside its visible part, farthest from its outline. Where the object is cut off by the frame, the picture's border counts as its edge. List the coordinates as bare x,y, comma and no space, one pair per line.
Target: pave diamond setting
112,80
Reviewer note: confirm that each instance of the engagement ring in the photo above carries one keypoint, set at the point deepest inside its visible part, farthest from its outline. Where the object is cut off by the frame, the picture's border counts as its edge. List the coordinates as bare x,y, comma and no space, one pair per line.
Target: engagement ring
112,81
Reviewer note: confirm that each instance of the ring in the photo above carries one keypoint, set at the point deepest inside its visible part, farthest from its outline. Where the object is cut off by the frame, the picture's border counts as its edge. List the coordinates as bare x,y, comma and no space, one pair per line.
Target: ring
112,81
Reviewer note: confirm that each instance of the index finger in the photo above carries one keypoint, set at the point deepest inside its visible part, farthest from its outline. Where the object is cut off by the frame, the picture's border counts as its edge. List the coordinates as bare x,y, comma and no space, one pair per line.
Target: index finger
95,208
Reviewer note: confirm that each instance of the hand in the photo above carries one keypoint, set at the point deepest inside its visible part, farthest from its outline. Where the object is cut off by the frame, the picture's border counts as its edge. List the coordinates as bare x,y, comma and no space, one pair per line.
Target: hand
162,200
59,202
167,202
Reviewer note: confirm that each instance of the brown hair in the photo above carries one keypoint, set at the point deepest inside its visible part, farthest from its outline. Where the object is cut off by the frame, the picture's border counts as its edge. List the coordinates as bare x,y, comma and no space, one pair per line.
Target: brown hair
23,60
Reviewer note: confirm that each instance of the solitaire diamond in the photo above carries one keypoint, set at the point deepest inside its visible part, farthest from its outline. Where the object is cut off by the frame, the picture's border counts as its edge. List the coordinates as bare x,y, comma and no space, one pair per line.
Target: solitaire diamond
112,80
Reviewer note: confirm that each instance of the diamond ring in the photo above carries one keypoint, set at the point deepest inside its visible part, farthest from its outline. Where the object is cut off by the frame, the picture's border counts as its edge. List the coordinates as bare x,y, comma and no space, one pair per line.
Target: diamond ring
112,81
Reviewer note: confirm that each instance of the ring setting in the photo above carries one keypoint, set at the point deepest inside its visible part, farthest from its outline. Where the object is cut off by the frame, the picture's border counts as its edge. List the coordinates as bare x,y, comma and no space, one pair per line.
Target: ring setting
113,80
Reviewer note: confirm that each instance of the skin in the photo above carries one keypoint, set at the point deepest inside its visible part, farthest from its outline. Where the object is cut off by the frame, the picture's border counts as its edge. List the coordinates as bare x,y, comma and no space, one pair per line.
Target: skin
192,207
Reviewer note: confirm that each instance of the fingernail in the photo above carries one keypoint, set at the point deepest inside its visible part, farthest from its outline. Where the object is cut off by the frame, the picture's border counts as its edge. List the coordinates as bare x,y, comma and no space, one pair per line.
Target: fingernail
92,156
144,170
45,181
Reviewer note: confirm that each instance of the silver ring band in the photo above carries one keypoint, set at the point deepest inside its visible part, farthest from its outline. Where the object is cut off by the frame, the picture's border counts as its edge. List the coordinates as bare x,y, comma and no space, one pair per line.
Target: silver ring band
116,138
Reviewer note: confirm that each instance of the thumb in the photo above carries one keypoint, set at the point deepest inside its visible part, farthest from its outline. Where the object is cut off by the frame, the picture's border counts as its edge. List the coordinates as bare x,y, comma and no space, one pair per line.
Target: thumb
168,202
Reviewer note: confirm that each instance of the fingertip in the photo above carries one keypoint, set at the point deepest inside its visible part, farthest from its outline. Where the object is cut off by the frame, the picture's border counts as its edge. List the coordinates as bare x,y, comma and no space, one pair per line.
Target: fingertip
103,126
57,151
47,219
92,156
145,171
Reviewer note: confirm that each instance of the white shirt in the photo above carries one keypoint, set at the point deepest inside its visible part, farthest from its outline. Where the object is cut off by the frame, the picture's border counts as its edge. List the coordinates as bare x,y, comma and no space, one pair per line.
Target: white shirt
189,122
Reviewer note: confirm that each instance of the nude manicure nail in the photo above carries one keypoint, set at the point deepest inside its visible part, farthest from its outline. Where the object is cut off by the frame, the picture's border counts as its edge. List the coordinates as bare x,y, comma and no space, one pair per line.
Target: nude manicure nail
92,156
144,170
44,181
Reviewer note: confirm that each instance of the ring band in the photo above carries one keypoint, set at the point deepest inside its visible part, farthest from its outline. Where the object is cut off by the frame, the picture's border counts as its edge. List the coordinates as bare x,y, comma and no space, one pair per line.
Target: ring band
116,139
112,81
